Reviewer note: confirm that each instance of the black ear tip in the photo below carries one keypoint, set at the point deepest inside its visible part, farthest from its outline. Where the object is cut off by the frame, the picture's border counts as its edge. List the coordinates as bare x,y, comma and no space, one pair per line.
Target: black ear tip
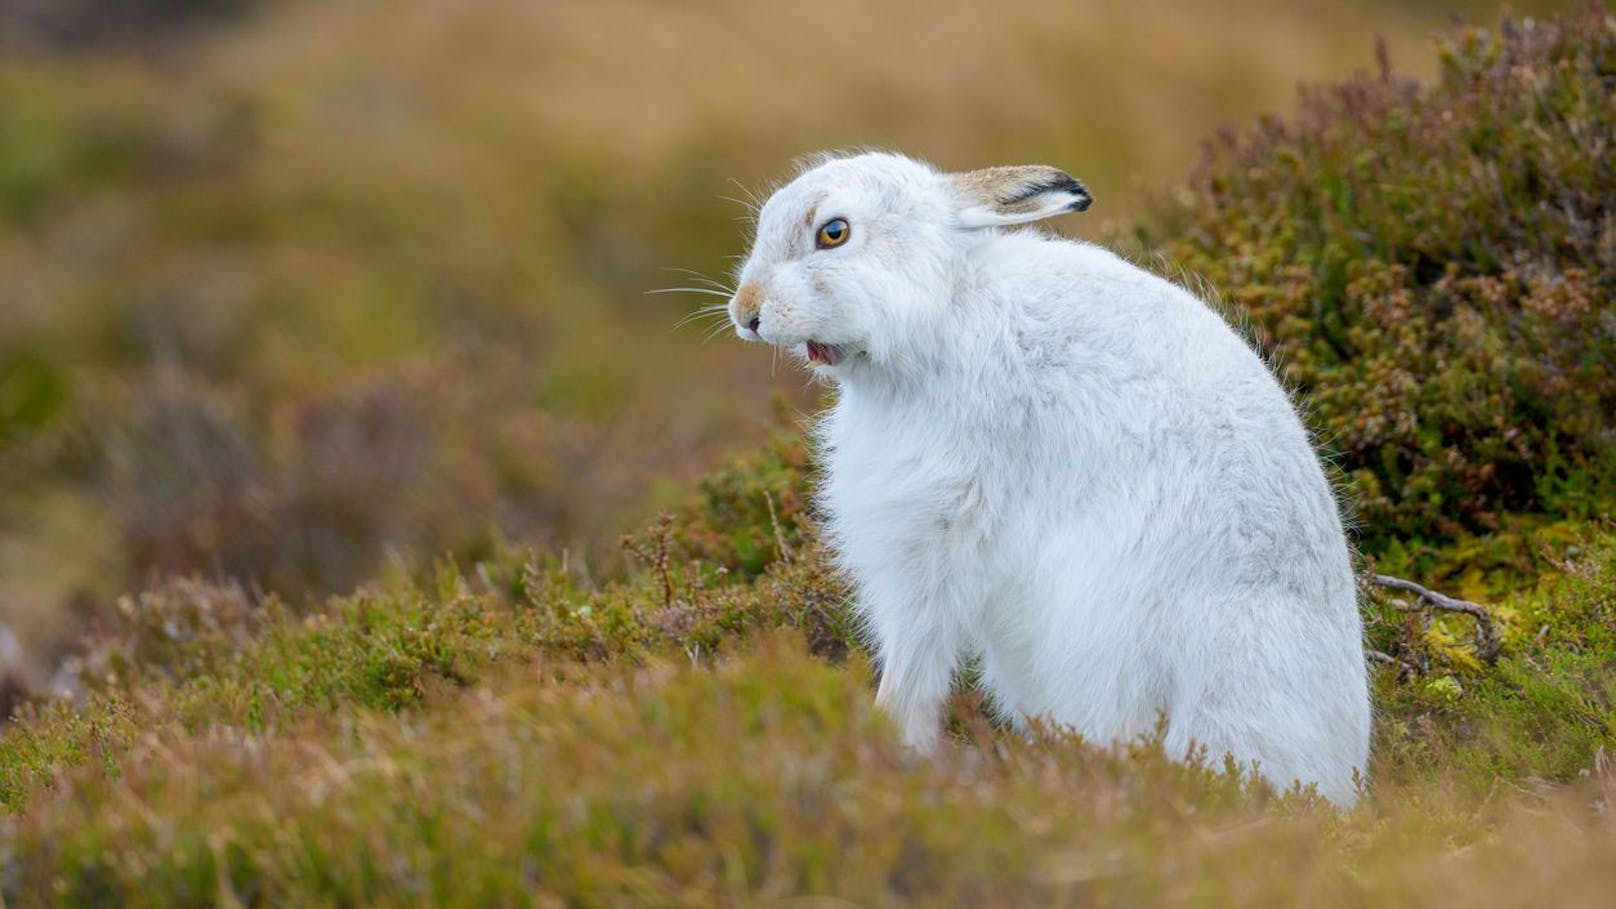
1083,201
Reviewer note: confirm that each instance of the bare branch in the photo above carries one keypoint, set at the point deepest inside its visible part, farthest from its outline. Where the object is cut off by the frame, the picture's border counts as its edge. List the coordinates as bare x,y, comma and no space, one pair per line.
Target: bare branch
1408,668
1488,639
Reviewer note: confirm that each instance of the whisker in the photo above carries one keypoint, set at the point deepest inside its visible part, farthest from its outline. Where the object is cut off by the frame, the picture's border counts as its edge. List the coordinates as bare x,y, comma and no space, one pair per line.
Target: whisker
757,204
705,312
691,290
705,279
710,308
702,314
751,207
717,330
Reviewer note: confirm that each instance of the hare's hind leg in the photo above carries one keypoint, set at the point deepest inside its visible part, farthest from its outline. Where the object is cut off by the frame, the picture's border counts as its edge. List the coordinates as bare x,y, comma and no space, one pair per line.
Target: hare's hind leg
1293,730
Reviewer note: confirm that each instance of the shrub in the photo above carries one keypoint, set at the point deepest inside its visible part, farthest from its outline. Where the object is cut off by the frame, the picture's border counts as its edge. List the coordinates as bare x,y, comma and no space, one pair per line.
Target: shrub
752,510
1433,268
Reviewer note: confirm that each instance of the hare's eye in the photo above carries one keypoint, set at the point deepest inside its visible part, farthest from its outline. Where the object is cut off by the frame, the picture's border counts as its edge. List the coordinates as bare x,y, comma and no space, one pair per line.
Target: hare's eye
833,233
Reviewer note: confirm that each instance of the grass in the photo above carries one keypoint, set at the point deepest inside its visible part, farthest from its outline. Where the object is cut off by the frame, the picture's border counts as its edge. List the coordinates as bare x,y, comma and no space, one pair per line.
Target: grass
703,733
509,736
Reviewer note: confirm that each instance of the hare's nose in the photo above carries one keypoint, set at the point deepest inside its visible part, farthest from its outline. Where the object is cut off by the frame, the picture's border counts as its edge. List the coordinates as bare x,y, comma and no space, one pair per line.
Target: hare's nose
747,307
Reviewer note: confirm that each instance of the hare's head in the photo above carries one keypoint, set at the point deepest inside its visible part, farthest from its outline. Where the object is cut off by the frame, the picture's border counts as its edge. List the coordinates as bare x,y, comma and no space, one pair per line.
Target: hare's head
858,258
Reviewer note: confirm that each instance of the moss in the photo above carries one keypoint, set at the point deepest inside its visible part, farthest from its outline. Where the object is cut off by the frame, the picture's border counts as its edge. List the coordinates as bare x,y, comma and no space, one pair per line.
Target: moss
1546,711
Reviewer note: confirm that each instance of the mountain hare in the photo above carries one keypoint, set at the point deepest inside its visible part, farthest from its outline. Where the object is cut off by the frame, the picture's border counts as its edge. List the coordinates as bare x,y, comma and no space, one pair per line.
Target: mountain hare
1046,457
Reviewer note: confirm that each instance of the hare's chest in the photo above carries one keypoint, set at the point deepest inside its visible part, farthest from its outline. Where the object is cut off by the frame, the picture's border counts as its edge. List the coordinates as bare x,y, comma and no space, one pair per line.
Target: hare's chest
906,490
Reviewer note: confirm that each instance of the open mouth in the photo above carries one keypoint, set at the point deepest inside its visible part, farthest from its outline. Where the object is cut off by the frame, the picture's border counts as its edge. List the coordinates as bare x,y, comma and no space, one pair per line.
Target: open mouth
824,354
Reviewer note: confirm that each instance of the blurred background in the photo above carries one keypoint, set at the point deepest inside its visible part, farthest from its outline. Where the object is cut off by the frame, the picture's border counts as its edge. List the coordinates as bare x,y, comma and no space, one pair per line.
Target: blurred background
291,292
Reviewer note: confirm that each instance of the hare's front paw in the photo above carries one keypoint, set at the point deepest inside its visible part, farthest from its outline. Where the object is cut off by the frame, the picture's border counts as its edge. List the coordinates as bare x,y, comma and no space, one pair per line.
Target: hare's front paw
918,723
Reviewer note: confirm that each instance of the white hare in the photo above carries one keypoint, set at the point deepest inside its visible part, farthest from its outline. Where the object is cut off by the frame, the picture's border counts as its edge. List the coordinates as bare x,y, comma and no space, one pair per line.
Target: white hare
1049,458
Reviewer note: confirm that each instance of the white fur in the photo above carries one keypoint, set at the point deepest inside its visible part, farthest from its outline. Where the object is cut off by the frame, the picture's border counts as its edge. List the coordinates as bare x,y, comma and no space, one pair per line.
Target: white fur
1056,461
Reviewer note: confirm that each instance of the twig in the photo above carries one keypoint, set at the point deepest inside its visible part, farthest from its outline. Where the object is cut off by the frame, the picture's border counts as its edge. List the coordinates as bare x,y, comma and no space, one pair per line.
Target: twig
779,535
658,559
1409,670
1488,639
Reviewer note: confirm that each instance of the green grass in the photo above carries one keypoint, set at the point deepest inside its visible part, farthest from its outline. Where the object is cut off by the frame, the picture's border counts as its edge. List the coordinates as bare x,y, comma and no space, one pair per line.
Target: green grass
703,733
508,736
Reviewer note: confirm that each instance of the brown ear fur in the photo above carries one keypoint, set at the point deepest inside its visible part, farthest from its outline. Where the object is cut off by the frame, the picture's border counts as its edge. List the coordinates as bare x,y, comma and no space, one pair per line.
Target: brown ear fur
996,196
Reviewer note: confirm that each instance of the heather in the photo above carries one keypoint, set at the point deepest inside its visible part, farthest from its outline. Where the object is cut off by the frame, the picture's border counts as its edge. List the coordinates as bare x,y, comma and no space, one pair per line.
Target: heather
1431,266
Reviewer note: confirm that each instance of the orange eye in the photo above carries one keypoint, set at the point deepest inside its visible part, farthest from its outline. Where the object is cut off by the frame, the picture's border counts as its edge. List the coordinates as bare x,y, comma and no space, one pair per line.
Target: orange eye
833,233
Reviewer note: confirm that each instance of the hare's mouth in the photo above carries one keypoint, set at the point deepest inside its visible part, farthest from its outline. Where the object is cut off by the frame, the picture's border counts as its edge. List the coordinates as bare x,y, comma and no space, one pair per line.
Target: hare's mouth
824,354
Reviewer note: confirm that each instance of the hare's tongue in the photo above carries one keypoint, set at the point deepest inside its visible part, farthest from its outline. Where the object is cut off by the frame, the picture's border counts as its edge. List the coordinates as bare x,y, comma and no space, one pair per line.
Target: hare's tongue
828,354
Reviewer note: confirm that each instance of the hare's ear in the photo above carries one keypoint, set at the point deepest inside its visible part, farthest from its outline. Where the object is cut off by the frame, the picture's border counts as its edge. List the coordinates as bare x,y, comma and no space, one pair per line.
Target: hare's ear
999,196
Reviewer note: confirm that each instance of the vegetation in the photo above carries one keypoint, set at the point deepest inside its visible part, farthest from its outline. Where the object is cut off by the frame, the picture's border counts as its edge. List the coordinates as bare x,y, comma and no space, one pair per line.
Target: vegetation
507,736
297,292
1432,267
520,727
